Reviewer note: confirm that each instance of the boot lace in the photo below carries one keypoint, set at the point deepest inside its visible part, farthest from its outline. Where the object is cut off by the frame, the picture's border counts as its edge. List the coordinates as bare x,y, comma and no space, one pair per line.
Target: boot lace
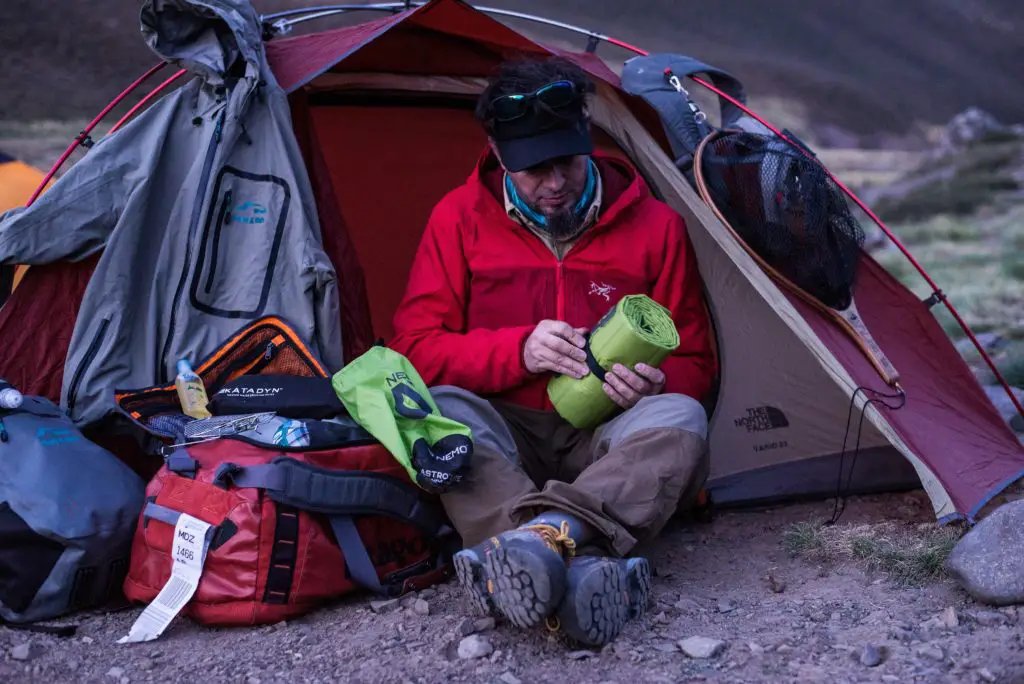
556,538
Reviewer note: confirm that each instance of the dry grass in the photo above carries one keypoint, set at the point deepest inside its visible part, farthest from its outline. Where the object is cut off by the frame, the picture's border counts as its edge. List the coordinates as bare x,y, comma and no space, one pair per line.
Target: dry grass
910,556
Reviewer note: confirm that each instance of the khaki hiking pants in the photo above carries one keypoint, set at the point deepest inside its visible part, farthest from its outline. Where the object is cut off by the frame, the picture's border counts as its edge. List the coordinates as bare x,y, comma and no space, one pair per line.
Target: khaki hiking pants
625,479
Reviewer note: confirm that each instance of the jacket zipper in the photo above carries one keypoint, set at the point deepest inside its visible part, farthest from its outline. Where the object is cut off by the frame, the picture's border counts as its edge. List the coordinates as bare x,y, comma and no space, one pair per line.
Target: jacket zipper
197,212
90,354
560,295
222,218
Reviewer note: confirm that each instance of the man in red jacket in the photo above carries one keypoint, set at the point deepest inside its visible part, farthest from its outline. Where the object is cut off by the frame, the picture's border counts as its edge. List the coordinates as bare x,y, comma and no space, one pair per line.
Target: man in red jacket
514,267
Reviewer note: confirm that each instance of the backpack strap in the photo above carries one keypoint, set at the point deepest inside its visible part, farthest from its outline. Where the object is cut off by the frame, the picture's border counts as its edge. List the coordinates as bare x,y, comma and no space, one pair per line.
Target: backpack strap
341,495
657,79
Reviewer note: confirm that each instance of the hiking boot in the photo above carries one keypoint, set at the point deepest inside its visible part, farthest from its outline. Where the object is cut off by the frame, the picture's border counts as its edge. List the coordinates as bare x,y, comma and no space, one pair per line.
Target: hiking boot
521,573
602,595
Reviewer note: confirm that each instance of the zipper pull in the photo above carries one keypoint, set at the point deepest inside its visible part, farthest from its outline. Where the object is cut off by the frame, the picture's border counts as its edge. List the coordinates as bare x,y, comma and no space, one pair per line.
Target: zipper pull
3,432
269,353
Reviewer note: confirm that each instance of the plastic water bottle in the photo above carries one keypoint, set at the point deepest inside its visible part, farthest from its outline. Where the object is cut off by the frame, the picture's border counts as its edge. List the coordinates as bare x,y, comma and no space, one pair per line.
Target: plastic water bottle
10,398
191,391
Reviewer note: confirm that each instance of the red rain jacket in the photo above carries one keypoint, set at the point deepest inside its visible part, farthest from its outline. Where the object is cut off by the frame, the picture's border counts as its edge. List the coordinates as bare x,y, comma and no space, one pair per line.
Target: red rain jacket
480,283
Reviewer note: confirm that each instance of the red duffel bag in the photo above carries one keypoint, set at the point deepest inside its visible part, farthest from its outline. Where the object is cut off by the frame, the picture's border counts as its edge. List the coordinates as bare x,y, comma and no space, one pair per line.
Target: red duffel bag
292,527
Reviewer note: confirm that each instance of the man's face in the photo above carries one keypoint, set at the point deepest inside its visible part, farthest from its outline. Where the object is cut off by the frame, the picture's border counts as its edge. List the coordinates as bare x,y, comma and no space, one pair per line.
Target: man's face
554,188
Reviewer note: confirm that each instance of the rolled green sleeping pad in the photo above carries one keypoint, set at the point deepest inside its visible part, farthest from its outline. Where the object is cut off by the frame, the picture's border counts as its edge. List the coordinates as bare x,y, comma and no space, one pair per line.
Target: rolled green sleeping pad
636,330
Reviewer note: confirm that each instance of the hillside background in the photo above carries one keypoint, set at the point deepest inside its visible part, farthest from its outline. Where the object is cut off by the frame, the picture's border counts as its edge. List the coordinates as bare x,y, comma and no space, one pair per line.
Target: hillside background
873,69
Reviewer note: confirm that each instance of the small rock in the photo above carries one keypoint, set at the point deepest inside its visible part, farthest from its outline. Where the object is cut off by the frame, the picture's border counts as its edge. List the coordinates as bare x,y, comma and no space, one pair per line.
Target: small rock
988,618
987,674
836,616
666,648
949,618
428,593
931,652
408,600
116,673
87,640
22,651
661,618
509,678
474,646
755,649
775,585
890,678
871,655
688,605
484,624
701,647
421,607
381,607
580,655
467,626
726,606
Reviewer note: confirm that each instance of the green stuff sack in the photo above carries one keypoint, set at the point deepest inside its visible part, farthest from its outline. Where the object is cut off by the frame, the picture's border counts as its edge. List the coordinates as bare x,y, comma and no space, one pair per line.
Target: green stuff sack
384,393
636,330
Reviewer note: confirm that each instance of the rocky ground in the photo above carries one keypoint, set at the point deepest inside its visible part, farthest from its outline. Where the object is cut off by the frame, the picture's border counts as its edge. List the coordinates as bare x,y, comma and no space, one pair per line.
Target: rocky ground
732,593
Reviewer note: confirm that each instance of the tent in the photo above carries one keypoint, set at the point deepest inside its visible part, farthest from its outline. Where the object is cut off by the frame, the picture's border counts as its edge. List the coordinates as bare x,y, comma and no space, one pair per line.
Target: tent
18,181
395,95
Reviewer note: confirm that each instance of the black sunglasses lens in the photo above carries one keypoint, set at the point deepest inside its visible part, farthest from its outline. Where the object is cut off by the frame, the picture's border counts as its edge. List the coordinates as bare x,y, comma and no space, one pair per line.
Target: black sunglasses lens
509,107
557,94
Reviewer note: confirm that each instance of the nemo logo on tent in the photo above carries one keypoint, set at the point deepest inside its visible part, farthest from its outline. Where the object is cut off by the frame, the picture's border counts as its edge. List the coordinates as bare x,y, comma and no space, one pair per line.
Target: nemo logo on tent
249,213
762,419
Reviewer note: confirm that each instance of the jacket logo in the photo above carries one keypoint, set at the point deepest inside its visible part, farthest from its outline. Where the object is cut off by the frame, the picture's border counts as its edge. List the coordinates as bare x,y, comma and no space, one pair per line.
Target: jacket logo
55,436
601,290
249,213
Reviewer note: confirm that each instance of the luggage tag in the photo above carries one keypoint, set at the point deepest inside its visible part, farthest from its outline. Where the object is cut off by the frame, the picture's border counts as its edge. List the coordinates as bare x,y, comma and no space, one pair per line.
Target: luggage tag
191,541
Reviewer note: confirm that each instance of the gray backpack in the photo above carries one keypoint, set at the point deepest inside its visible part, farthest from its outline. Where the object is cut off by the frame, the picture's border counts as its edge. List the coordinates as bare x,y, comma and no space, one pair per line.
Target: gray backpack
68,510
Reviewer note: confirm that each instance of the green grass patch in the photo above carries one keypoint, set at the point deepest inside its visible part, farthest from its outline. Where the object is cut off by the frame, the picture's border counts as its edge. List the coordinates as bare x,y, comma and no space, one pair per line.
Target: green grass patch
911,556
1013,252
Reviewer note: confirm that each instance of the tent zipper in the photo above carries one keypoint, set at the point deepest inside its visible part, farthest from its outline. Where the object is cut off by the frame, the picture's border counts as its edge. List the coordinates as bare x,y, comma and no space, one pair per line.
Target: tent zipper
197,212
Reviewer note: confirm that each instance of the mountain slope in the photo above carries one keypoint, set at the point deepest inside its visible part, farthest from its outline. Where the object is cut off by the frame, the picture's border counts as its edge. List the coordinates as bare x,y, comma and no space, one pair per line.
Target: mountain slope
864,66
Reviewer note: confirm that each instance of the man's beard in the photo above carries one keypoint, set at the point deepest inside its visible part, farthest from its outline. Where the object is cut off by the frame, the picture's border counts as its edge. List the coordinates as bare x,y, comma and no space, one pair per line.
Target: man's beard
563,225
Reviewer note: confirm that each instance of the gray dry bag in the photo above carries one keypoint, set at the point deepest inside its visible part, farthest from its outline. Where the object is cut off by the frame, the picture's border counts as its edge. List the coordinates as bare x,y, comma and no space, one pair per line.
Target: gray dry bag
68,509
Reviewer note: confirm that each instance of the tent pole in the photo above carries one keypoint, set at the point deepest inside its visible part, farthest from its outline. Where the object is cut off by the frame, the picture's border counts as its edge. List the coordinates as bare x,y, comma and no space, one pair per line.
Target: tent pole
144,101
84,135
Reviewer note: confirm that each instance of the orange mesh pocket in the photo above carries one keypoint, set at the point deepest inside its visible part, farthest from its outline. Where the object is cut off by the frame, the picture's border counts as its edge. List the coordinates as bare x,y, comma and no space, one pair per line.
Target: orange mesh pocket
266,346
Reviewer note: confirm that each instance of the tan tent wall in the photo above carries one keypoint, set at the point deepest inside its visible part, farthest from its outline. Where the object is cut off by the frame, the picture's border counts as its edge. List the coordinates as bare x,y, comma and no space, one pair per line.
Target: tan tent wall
772,362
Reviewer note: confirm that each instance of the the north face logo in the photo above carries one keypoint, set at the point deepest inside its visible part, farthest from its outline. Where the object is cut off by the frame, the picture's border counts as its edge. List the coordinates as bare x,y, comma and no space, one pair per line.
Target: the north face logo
762,419
601,290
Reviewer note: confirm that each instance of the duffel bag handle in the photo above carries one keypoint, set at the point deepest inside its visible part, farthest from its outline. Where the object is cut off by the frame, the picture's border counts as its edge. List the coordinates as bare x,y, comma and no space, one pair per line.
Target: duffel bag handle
340,495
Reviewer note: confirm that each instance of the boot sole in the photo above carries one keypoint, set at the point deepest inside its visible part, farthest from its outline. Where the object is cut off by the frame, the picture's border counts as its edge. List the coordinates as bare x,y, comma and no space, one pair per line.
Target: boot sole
525,589
606,599
473,580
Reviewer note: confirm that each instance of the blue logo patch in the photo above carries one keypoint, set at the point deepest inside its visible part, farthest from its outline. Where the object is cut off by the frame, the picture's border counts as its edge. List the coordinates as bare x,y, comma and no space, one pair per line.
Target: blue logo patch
249,213
54,436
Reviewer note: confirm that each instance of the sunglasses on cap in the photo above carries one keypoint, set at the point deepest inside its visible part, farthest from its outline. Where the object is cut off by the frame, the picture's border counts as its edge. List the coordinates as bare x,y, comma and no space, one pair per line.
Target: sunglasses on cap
553,96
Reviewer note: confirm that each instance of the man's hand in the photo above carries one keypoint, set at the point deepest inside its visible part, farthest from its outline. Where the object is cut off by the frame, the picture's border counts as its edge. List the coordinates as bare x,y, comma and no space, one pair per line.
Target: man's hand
557,347
626,388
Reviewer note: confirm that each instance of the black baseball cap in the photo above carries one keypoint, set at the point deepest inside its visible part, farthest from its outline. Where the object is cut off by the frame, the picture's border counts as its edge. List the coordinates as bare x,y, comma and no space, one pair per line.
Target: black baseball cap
539,136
